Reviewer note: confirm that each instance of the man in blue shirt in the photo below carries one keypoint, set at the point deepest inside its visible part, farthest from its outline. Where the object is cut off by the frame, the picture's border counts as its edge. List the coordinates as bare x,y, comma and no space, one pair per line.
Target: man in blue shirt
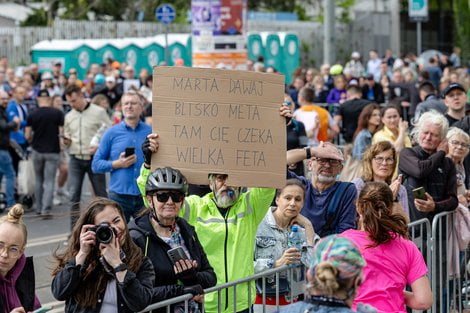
329,204
111,155
17,109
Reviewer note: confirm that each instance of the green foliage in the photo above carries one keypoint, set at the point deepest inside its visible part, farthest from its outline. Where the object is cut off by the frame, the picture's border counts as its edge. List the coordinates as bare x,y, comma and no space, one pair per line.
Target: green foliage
37,18
462,27
342,17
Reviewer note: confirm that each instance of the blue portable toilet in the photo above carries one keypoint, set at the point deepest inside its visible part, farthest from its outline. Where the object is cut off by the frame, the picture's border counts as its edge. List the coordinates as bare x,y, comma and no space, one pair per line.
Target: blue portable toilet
291,53
153,52
177,48
108,51
131,53
255,46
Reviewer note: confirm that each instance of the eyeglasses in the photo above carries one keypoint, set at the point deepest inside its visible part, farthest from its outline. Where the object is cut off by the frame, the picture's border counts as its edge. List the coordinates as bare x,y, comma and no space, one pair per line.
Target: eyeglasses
458,143
381,160
163,196
331,162
12,251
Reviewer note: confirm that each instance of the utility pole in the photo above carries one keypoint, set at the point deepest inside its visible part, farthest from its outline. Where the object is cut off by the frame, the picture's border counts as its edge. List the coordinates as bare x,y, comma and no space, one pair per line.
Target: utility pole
329,50
395,26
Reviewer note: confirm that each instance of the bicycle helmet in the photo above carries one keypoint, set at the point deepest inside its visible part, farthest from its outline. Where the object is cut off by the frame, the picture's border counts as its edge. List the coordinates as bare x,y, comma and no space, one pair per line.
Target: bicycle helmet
166,178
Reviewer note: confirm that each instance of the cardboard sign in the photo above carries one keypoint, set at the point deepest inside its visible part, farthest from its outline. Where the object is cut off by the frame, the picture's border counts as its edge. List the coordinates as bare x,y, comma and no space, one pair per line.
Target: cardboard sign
220,121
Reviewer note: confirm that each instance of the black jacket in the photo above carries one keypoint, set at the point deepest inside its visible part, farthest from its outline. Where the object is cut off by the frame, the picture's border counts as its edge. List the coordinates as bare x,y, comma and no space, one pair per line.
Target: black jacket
24,286
435,173
377,89
5,128
166,284
134,293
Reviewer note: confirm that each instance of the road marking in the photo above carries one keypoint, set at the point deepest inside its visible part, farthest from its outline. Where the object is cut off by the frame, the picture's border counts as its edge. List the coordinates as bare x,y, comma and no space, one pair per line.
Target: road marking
47,240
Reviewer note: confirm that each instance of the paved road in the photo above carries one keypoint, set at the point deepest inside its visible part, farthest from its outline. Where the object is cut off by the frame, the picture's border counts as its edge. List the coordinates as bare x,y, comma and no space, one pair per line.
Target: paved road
44,238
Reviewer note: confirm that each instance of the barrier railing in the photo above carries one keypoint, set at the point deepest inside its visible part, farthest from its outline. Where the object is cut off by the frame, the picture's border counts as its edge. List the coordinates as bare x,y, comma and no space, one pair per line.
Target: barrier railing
291,270
450,280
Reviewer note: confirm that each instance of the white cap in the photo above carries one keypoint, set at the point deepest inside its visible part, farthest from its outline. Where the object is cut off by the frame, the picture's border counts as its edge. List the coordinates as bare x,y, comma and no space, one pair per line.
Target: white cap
46,75
110,79
355,55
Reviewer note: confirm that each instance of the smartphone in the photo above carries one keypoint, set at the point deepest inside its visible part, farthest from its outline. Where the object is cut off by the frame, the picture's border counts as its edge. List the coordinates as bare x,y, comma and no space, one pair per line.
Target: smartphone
129,151
177,254
419,193
43,309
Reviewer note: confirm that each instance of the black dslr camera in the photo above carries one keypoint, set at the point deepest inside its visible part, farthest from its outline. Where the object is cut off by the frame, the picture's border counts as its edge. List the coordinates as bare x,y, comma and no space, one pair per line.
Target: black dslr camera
104,233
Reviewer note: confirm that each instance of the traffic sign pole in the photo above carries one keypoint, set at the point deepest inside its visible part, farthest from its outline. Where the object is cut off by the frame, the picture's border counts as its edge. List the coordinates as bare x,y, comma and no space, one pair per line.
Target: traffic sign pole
166,14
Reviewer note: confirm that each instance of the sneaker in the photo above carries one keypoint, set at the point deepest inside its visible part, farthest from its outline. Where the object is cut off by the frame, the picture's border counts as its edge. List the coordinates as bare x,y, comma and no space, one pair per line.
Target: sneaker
57,200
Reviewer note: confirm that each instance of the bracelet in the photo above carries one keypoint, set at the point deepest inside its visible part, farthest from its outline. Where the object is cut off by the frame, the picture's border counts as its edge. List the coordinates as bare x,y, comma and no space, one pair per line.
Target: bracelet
308,153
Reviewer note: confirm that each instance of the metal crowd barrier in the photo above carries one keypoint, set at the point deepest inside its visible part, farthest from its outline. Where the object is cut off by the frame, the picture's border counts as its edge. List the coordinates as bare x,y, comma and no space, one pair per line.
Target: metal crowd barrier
450,285
292,271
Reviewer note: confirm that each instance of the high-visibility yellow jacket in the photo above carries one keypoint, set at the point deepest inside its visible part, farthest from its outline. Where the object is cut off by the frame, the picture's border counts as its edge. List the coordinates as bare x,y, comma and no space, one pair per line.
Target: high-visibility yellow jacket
227,240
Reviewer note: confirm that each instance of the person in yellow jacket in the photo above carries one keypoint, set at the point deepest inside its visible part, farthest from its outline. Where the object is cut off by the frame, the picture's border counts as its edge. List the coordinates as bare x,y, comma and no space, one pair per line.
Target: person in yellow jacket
226,221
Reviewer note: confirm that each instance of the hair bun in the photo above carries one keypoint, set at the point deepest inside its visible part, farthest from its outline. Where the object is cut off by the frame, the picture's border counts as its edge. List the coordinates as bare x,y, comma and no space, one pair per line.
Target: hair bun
15,213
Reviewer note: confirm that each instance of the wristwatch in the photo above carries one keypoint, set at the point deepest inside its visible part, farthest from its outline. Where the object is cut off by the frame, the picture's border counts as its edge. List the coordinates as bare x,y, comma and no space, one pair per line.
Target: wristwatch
121,267
308,153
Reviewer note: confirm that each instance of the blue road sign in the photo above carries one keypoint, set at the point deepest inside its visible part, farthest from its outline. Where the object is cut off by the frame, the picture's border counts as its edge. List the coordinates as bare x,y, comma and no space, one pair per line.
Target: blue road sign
165,13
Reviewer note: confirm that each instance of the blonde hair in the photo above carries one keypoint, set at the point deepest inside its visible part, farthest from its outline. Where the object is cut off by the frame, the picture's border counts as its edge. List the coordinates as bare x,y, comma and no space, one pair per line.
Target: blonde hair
454,131
326,279
15,217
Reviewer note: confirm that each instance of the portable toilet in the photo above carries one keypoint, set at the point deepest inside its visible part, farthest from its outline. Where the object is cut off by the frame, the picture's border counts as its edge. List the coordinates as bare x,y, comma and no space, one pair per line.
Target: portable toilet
70,53
189,50
131,53
272,51
106,52
177,48
153,52
255,46
291,53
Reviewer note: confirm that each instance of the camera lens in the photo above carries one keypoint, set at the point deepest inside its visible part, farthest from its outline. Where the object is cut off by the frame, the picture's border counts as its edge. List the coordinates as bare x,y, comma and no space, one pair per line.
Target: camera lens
104,233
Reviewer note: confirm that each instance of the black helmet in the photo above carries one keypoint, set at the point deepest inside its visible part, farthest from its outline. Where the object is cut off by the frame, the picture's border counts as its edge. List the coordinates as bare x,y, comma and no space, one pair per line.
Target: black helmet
166,178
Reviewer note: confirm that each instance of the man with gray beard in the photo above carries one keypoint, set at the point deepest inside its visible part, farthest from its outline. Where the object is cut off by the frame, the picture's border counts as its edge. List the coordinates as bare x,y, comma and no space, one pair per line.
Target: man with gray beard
329,204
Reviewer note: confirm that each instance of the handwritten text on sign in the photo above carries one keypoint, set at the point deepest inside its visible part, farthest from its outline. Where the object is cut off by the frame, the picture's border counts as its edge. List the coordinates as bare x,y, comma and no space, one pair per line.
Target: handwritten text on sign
220,121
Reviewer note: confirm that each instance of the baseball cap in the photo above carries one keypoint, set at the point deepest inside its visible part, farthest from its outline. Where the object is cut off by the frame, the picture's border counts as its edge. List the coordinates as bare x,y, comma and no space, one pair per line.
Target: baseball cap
179,62
341,253
43,93
355,55
452,87
370,76
46,75
110,79
327,150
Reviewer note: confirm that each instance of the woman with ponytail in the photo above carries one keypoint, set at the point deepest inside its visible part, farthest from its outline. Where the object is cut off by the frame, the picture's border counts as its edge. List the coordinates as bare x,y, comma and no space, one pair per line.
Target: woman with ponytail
333,278
16,270
393,261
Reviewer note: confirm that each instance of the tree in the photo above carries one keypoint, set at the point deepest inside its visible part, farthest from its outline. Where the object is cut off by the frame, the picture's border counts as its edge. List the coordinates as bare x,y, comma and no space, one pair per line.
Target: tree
462,27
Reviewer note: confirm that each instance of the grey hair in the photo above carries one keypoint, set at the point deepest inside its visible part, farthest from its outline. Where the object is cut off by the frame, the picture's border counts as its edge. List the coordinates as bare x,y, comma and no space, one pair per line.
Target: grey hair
455,131
430,117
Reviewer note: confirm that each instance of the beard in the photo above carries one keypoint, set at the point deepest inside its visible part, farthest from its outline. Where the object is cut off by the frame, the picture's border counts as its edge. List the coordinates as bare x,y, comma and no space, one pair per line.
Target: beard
226,198
324,179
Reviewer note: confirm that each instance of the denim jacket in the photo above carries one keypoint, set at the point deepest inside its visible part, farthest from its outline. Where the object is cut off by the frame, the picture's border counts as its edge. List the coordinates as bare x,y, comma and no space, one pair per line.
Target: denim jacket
271,242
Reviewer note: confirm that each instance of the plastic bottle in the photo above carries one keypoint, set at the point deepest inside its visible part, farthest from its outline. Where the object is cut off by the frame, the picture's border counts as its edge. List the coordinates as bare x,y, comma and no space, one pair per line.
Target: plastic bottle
294,238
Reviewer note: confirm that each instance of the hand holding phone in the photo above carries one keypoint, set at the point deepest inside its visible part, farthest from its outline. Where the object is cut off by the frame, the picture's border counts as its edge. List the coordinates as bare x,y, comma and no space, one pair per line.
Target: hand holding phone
129,151
419,193
177,254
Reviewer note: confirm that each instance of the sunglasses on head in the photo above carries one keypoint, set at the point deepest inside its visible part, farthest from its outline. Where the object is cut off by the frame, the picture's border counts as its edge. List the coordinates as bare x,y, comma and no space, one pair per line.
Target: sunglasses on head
163,196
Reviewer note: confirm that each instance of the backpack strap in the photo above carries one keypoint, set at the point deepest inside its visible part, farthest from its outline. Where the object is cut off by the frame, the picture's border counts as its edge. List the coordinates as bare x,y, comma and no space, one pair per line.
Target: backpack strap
332,210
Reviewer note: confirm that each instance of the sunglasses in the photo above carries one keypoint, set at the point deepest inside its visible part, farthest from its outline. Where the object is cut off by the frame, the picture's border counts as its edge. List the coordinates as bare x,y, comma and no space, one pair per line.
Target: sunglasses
163,196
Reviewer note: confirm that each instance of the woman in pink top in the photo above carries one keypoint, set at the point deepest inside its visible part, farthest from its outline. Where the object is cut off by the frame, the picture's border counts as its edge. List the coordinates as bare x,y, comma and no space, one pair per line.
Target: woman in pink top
393,261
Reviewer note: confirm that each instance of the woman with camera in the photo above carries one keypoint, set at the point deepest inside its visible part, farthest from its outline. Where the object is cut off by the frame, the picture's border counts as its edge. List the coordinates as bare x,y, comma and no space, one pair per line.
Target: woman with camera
180,263
16,270
102,270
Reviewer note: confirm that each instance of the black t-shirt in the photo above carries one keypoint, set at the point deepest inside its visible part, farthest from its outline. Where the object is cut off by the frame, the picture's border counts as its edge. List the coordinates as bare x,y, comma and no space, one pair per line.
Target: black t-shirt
350,111
296,138
45,124
451,120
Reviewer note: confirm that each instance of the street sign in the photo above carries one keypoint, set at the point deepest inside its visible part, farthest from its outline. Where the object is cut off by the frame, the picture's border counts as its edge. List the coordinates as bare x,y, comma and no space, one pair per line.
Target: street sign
418,10
165,13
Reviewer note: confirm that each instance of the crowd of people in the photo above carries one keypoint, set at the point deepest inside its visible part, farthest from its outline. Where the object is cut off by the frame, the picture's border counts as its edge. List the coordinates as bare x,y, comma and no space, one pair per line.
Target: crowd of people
371,147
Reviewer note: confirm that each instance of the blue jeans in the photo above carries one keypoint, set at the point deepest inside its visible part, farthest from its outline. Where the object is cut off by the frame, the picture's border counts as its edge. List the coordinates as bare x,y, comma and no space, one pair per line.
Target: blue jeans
45,167
6,169
130,204
77,170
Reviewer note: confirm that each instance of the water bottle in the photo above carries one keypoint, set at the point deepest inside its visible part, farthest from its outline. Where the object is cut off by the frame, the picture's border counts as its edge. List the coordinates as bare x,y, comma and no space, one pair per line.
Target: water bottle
294,238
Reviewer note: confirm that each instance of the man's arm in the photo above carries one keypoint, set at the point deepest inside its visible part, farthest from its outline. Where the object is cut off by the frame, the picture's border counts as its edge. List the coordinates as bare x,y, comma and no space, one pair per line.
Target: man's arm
410,164
101,162
28,134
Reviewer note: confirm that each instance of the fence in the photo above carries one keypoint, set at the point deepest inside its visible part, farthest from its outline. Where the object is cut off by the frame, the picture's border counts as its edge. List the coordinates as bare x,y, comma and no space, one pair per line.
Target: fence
451,288
367,31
